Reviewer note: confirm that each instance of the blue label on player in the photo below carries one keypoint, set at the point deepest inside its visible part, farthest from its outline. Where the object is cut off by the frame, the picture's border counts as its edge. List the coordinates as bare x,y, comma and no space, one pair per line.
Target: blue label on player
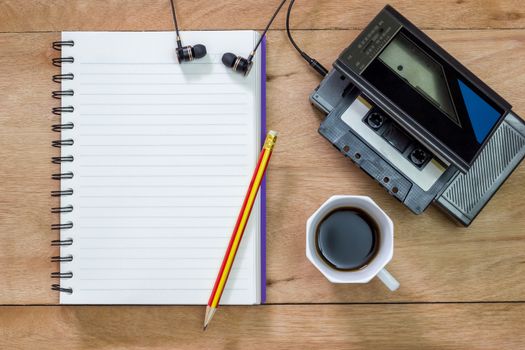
482,116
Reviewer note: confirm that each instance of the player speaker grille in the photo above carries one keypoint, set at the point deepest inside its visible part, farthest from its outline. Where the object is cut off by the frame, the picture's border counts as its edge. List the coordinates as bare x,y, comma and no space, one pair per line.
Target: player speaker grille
467,190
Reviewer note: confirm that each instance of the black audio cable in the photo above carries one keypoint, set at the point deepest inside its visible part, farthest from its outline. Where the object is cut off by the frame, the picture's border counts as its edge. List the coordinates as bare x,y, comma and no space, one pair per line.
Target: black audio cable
319,68
244,65
266,29
175,21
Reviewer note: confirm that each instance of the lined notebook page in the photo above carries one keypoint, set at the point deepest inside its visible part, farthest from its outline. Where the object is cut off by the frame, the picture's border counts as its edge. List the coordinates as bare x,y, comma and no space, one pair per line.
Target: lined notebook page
163,154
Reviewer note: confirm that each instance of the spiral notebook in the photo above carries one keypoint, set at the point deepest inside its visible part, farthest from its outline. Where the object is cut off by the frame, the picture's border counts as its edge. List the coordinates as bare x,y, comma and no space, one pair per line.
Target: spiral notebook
155,159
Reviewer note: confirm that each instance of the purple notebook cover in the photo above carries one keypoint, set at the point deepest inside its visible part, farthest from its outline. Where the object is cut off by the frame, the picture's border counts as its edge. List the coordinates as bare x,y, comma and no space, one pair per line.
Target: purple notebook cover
263,185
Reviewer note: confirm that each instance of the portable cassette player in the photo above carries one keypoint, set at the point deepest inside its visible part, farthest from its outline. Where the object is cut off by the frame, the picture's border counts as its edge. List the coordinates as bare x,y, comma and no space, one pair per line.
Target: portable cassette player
417,121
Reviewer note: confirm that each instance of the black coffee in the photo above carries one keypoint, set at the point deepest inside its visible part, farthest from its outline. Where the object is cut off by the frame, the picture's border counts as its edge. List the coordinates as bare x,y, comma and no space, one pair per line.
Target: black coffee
347,239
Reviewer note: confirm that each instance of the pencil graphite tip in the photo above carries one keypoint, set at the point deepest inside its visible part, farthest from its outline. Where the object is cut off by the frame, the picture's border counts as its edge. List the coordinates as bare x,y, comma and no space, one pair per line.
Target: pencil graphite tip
210,311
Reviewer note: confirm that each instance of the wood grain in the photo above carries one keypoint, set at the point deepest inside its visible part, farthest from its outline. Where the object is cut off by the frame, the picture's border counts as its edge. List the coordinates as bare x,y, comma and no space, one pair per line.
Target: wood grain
59,15
434,259
478,326
25,155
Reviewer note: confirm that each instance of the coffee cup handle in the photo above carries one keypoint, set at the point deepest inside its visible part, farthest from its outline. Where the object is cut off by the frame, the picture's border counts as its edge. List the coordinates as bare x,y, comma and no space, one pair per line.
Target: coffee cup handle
388,280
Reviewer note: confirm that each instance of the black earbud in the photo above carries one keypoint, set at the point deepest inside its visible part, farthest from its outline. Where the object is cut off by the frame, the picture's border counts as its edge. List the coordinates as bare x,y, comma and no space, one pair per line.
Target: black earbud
186,53
237,63
244,65
189,53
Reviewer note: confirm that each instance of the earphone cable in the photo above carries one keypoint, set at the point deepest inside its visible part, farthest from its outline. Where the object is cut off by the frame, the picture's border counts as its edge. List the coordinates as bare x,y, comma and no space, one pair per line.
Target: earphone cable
266,29
319,68
175,19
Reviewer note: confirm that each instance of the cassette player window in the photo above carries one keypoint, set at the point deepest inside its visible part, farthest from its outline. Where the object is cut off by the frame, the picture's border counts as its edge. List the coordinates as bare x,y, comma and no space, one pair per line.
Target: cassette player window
420,71
433,93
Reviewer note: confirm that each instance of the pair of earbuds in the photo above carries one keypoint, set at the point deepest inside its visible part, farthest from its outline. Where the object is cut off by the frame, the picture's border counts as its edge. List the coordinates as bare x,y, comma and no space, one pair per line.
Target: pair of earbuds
236,63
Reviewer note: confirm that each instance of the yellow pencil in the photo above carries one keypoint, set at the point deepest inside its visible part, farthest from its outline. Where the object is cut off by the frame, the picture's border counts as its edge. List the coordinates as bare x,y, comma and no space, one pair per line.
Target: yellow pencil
238,231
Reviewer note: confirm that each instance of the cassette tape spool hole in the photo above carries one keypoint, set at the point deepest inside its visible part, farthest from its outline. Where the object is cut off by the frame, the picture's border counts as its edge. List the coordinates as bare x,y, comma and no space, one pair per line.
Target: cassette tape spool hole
419,156
375,120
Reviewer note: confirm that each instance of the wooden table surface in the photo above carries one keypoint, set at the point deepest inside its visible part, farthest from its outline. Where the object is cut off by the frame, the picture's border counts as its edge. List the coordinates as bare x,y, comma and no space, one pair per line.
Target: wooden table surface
460,288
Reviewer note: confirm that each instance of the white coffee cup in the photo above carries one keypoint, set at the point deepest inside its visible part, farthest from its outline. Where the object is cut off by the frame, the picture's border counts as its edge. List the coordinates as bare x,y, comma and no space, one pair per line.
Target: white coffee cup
375,267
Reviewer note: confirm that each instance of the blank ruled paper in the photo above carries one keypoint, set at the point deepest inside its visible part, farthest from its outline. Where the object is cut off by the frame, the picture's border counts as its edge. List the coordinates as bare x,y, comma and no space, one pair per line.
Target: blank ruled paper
163,154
